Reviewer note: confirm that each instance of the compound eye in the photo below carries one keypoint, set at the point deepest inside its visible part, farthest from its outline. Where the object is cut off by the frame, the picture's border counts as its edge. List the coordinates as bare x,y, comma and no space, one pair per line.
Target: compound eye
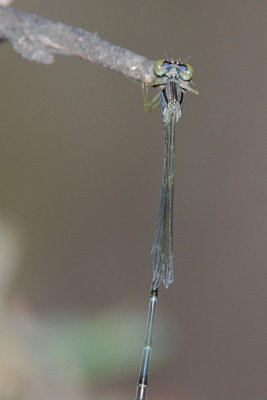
160,67
186,71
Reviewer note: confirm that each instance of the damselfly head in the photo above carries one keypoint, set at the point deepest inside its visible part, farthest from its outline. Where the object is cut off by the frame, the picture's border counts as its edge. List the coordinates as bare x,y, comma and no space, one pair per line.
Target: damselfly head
162,67
176,70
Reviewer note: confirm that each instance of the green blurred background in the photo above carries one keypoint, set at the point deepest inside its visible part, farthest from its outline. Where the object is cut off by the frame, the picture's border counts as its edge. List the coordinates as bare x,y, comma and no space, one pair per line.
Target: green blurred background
80,174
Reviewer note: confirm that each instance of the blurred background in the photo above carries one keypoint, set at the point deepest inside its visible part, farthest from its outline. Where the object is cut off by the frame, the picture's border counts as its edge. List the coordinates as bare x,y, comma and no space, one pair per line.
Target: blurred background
80,175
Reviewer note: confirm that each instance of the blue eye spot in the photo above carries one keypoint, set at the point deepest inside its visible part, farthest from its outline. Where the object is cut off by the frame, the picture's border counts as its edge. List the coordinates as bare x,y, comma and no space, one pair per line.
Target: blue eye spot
183,67
166,64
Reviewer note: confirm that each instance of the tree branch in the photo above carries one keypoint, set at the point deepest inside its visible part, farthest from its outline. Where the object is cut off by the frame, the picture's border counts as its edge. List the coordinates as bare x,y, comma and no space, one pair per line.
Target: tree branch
38,39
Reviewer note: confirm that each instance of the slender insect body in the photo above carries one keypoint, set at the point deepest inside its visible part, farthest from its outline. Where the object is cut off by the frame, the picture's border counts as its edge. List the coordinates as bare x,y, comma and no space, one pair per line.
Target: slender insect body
173,78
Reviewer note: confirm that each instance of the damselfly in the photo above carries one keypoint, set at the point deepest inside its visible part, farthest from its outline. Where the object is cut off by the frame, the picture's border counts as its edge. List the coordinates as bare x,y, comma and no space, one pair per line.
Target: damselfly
174,78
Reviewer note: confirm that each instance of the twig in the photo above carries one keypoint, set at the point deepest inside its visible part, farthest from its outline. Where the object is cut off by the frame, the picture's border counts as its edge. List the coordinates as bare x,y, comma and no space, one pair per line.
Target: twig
38,39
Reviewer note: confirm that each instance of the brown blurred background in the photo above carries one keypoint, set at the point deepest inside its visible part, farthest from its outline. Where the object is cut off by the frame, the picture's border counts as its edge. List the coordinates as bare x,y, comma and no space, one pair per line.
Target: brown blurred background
80,174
